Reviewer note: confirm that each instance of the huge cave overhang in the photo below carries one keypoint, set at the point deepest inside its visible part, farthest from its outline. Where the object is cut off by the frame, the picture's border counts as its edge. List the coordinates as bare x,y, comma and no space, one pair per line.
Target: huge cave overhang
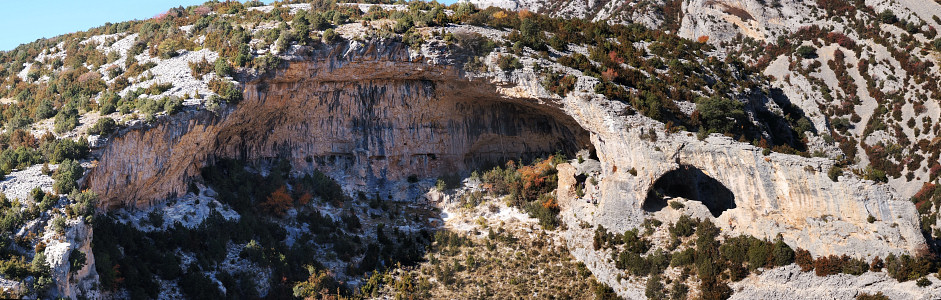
366,120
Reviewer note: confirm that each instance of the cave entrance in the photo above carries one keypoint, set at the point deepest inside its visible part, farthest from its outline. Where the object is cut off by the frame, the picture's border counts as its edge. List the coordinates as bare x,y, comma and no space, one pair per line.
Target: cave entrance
691,183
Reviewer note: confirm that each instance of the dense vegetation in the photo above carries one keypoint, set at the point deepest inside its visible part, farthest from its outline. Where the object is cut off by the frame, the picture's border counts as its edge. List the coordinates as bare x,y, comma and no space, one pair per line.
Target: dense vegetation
504,263
695,248
649,78
129,258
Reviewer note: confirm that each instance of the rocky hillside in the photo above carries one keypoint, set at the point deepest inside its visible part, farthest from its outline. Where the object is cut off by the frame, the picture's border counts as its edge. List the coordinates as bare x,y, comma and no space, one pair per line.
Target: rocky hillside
864,72
366,150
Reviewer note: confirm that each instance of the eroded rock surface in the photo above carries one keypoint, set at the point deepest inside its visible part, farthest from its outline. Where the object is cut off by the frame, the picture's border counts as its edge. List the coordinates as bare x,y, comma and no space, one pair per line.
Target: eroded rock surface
367,114
370,114
76,237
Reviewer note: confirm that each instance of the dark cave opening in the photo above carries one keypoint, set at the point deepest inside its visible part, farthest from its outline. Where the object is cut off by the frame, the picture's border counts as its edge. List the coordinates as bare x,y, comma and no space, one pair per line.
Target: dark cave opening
691,183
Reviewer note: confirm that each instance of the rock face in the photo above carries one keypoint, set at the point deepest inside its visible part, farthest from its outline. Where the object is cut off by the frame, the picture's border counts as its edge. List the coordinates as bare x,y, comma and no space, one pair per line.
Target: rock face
723,20
790,283
72,283
370,114
365,113
748,192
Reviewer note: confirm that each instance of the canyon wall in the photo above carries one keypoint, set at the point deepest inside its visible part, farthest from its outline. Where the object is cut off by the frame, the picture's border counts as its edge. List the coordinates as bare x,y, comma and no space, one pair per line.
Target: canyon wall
771,194
368,114
365,114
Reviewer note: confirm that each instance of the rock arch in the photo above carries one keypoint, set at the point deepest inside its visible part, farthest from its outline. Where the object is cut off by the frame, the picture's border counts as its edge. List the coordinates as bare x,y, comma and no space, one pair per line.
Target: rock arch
689,182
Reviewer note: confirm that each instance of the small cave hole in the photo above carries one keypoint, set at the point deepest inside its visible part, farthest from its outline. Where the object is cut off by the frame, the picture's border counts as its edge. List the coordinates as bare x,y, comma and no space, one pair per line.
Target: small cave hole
691,183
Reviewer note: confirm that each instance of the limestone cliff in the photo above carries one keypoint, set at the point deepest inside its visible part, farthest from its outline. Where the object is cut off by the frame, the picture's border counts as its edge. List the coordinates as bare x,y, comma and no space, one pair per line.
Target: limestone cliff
76,237
366,113
377,112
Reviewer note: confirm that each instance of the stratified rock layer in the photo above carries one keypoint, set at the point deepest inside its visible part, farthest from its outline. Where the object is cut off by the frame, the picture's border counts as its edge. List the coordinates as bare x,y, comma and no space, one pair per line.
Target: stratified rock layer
372,113
367,114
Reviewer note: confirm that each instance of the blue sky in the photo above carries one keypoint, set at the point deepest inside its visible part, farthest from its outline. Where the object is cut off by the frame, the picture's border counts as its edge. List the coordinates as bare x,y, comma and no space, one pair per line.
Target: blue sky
26,21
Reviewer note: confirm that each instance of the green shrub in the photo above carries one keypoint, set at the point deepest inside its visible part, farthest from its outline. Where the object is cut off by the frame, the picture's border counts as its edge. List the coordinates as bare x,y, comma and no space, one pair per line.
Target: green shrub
888,17
57,150
107,103
66,120
84,203
509,62
45,110
679,290
905,267
654,288
759,254
167,48
172,105
923,282
559,84
222,67
266,63
330,36
683,258
104,126
16,268
635,243
603,291
721,115
546,210
854,266
735,250
158,88
474,43
155,218
18,158
45,200
58,225
708,265
684,227
676,205
633,263
875,174
225,90
18,121
65,176
807,52
76,260
782,253
834,173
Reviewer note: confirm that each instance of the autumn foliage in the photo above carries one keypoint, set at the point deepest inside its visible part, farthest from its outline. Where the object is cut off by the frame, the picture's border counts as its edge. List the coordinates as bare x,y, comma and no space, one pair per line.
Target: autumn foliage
528,187
827,265
804,259
278,202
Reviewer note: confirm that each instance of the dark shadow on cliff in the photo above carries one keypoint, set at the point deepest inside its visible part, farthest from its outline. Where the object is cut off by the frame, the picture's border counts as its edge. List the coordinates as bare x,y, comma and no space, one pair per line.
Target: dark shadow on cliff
690,183
785,127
